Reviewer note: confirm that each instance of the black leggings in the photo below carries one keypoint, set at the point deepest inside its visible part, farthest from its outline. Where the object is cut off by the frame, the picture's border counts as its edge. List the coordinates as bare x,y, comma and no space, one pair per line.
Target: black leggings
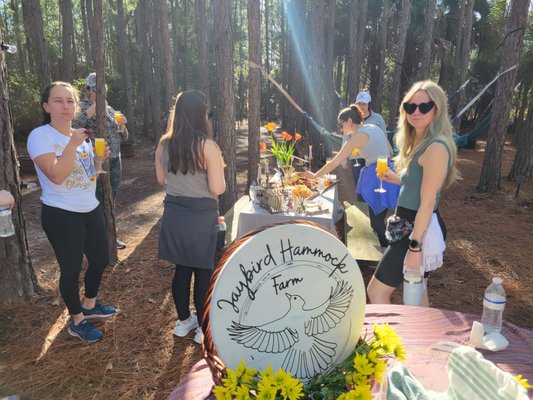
377,222
390,268
72,235
181,290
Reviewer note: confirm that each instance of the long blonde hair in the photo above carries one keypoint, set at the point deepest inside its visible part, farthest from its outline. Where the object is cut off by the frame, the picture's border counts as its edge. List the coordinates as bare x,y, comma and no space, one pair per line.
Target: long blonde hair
440,127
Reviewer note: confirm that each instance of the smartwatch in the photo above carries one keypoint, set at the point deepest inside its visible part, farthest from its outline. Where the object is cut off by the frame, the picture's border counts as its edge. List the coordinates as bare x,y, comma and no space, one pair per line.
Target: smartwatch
415,244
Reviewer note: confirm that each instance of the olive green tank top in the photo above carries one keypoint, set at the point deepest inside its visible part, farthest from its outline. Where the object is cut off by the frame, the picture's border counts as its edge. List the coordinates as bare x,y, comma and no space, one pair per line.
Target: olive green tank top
411,180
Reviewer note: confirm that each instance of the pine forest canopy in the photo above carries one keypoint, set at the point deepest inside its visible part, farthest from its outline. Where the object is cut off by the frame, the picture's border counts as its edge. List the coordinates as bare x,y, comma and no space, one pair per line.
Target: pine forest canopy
322,52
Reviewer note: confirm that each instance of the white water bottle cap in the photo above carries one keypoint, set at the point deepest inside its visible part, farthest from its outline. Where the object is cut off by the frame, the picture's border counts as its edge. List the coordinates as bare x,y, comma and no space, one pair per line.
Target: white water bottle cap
497,280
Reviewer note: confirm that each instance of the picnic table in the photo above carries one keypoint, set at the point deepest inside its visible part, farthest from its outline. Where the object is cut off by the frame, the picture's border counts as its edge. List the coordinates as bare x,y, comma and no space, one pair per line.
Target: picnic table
420,328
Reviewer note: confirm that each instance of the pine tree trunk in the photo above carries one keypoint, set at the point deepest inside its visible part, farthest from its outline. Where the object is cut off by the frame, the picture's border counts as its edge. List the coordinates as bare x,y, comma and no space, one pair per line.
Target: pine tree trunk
523,162
33,25
17,278
124,61
156,99
403,24
511,51
67,61
167,83
21,63
145,84
86,38
254,88
99,56
423,71
465,53
183,52
458,41
358,20
201,37
225,103
90,29
379,84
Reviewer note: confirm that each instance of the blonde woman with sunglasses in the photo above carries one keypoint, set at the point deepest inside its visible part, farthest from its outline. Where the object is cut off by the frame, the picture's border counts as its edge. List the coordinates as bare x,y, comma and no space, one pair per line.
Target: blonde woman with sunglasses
425,164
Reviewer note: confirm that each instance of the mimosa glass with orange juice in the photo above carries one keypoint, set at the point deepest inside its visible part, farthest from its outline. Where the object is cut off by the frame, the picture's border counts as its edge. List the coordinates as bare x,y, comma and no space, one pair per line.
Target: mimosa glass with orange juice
99,152
381,167
355,153
118,117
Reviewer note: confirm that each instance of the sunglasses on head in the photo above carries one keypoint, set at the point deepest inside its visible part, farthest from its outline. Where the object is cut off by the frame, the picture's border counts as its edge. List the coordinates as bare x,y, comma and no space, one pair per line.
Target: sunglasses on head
423,107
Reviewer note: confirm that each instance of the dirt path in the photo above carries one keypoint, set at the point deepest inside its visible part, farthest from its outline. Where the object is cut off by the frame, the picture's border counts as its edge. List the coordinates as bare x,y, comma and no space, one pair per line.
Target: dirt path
140,359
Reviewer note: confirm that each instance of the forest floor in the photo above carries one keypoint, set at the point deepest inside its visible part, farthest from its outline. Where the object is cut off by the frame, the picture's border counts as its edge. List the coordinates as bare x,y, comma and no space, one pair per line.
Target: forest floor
139,358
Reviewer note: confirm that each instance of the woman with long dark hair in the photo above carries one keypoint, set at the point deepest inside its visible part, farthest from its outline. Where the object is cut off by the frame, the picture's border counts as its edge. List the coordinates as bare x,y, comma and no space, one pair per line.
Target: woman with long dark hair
190,164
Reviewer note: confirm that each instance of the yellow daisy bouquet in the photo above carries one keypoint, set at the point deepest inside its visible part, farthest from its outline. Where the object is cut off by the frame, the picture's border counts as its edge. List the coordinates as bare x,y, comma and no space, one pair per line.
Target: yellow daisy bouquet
349,380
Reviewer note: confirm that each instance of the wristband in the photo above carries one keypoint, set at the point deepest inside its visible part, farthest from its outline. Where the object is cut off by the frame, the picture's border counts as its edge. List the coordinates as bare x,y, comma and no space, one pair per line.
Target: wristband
414,250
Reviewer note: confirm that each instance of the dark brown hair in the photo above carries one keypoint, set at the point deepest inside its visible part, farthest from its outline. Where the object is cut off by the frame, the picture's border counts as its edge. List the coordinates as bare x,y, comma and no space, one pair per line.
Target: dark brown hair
46,96
353,112
187,131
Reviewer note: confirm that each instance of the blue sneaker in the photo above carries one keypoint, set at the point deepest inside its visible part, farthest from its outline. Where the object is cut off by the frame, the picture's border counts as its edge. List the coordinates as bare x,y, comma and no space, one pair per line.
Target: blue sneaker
99,311
85,330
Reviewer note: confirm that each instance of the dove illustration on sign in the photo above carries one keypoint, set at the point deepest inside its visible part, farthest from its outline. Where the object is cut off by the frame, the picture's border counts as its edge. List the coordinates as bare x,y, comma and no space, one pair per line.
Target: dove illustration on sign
298,332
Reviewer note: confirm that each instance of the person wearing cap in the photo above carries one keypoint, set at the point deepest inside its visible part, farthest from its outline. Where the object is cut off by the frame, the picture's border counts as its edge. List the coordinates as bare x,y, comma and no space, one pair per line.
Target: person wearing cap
370,117
116,133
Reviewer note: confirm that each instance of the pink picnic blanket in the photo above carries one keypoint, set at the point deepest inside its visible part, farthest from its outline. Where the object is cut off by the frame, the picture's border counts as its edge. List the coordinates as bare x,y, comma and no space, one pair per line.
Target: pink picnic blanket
420,328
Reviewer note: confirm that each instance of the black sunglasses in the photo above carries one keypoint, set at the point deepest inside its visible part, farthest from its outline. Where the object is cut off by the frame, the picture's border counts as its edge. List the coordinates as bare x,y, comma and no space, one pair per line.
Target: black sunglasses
340,124
423,107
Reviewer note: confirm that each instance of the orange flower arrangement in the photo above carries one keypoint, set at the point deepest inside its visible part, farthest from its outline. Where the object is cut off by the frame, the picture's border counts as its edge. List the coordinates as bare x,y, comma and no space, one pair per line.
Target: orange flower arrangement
301,191
270,126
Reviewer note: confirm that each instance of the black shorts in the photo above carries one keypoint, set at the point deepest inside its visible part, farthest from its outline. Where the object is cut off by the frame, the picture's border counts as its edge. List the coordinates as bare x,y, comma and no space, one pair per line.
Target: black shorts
390,269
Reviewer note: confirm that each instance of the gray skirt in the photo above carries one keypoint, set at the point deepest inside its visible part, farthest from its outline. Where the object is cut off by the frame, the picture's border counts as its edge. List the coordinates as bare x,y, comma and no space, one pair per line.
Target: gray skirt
187,235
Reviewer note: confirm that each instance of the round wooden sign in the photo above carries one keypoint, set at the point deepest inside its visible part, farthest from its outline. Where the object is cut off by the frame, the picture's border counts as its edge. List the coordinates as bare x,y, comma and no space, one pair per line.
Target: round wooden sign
290,296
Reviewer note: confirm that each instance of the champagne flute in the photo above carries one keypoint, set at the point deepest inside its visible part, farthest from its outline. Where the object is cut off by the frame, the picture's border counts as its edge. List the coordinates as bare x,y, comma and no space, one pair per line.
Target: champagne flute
355,153
381,167
99,150
321,186
118,117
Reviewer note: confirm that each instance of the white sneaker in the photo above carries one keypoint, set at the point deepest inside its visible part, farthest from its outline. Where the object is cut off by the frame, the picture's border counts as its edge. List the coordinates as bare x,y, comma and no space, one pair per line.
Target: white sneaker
198,336
183,328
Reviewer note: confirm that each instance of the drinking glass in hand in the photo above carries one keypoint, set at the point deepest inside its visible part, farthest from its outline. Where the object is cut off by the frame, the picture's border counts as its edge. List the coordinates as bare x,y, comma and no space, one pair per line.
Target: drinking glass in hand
381,167
355,153
99,152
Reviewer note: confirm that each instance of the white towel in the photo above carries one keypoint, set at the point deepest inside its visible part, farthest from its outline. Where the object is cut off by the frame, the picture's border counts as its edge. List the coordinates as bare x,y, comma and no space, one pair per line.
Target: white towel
434,246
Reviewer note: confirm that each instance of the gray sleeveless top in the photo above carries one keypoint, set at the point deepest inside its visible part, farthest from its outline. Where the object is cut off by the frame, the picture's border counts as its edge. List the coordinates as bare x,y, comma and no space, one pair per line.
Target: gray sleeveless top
376,146
188,185
411,180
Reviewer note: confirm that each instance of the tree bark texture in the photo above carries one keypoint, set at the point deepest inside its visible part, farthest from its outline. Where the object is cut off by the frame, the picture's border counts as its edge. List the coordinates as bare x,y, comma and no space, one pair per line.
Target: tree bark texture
254,89
225,103
145,84
511,51
86,38
523,161
358,20
21,62
267,105
424,67
17,279
378,83
163,37
67,45
201,37
90,29
99,57
156,99
403,24
124,60
33,25
465,53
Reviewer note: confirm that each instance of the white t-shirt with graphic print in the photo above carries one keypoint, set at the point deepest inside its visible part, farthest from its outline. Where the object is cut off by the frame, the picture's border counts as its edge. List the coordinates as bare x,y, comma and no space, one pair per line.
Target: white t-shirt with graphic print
77,192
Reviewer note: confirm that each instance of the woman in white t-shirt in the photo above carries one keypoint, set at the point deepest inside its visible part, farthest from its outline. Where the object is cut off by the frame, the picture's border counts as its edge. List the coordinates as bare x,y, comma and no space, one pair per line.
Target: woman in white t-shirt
71,216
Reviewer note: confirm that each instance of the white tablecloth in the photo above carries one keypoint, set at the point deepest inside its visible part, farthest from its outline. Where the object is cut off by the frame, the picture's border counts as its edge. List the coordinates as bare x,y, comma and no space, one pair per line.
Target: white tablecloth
252,217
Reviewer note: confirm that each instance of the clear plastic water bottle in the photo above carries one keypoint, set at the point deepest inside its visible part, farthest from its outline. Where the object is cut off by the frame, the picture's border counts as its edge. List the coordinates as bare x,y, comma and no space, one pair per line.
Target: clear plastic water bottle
493,305
413,288
6,224
221,232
